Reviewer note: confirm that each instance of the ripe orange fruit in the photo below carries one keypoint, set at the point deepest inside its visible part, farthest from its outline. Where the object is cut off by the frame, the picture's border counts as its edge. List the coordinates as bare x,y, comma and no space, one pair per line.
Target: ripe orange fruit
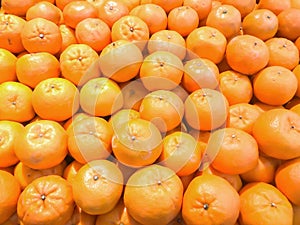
245,7
80,217
235,151
76,11
41,35
111,10
97,187
296,218
90,139
17,7
47,200
167,5
200,73
207,197
42,63
202,7
76,63
206,109
9,131
154,16
118,215
181,153
283,52
130,28
263,172
11,27
167,40
288,25
101,97
243,116
46,10
280,83
265,107
296,71
264,203
183,19
8,66
153,195
225,18
55,99
25,175
98,30
276,132
248,48
10,191
68,37
120,60
261,23
71,170
137,142
161,70
62,3
41,144
207,42
122,116
15,102
163,108
274,6
287,181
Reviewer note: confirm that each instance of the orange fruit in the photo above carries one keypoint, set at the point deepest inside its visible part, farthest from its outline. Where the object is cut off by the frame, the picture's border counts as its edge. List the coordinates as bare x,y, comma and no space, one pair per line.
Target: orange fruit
163,108
287,181
167,40
42,63
71,170
47,200
201,136
206,109
90,139
101,97
207,197
41,35
9,130
161,70
120,61
153,195
118,215
154,16
202,7
296,109
131,3
76,11
122,116
17,7
167,5
225,18
10,190
263,172
80,217
11,27
111,10
68,37
207,42
98,30
296,71
55,99
243,116
25,175
76,63
235,151
46,10
130,28
183,19
248,48
41,144
8,66
296,218
265,107
283,52
97,187
62,3
181,153
274,6
15,102
264,203
137,142
245,7
280,83
200,73
76,117
276,132
288,25
261,23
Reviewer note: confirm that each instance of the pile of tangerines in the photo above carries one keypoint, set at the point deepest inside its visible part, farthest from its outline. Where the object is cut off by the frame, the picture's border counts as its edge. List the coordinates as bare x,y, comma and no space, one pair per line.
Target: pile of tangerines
154,112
